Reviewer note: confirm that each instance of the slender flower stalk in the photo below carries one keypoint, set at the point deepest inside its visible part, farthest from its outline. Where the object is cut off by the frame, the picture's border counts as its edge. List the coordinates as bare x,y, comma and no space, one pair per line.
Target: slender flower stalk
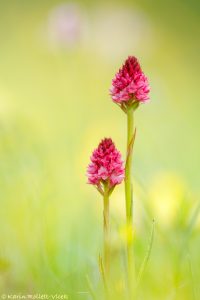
105,171
131,132
106,228
129,157
128,186
129,89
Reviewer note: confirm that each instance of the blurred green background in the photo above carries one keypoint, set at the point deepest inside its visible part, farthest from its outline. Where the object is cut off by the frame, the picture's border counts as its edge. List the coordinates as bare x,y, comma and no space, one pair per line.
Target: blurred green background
57,60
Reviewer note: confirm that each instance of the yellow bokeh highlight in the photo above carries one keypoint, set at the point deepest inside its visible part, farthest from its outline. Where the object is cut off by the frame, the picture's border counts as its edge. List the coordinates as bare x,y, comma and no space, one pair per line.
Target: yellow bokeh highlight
165,194
126,234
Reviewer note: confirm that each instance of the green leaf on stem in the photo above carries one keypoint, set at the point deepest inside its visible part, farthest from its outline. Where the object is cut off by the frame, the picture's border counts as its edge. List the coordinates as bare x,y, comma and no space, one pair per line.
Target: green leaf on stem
130,146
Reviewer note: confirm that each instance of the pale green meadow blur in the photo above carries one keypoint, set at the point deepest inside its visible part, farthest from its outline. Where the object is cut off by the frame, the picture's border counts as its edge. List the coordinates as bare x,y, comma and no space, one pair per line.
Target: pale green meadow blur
57,60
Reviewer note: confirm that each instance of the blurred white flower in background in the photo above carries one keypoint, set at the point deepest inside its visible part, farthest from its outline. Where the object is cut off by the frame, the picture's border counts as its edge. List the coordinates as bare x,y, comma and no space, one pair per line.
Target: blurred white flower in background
118,31
66,26
110,31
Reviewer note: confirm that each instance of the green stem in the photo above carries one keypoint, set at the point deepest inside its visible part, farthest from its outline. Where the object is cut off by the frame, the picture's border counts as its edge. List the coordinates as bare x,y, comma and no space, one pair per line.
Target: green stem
128,176
128,195
106,230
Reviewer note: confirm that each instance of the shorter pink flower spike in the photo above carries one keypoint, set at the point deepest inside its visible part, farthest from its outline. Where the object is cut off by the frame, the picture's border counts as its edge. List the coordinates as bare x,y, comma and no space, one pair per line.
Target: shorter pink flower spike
106,165
130,85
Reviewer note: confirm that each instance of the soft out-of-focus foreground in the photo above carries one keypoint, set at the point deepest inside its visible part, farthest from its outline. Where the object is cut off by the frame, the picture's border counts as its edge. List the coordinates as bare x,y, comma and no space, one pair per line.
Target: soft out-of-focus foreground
57,60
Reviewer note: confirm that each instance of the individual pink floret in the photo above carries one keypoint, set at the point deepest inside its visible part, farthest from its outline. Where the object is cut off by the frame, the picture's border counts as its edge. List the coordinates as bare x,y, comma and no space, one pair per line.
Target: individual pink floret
106,165
130,84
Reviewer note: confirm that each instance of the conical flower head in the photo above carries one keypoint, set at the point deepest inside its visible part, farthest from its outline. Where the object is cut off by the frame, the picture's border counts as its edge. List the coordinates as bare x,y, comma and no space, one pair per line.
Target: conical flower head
106,165
130,85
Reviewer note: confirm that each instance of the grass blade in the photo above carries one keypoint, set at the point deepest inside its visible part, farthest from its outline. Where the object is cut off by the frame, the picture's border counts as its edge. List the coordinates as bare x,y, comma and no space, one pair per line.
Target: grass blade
146,259
102,272
90,287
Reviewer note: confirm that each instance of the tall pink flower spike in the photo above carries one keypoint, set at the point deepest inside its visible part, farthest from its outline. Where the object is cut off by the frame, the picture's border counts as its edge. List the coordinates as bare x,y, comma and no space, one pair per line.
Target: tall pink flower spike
106,166
130,85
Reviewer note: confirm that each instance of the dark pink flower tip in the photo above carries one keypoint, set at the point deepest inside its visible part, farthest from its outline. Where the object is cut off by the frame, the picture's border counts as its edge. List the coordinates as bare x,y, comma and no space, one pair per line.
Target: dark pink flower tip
130,84
106,165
